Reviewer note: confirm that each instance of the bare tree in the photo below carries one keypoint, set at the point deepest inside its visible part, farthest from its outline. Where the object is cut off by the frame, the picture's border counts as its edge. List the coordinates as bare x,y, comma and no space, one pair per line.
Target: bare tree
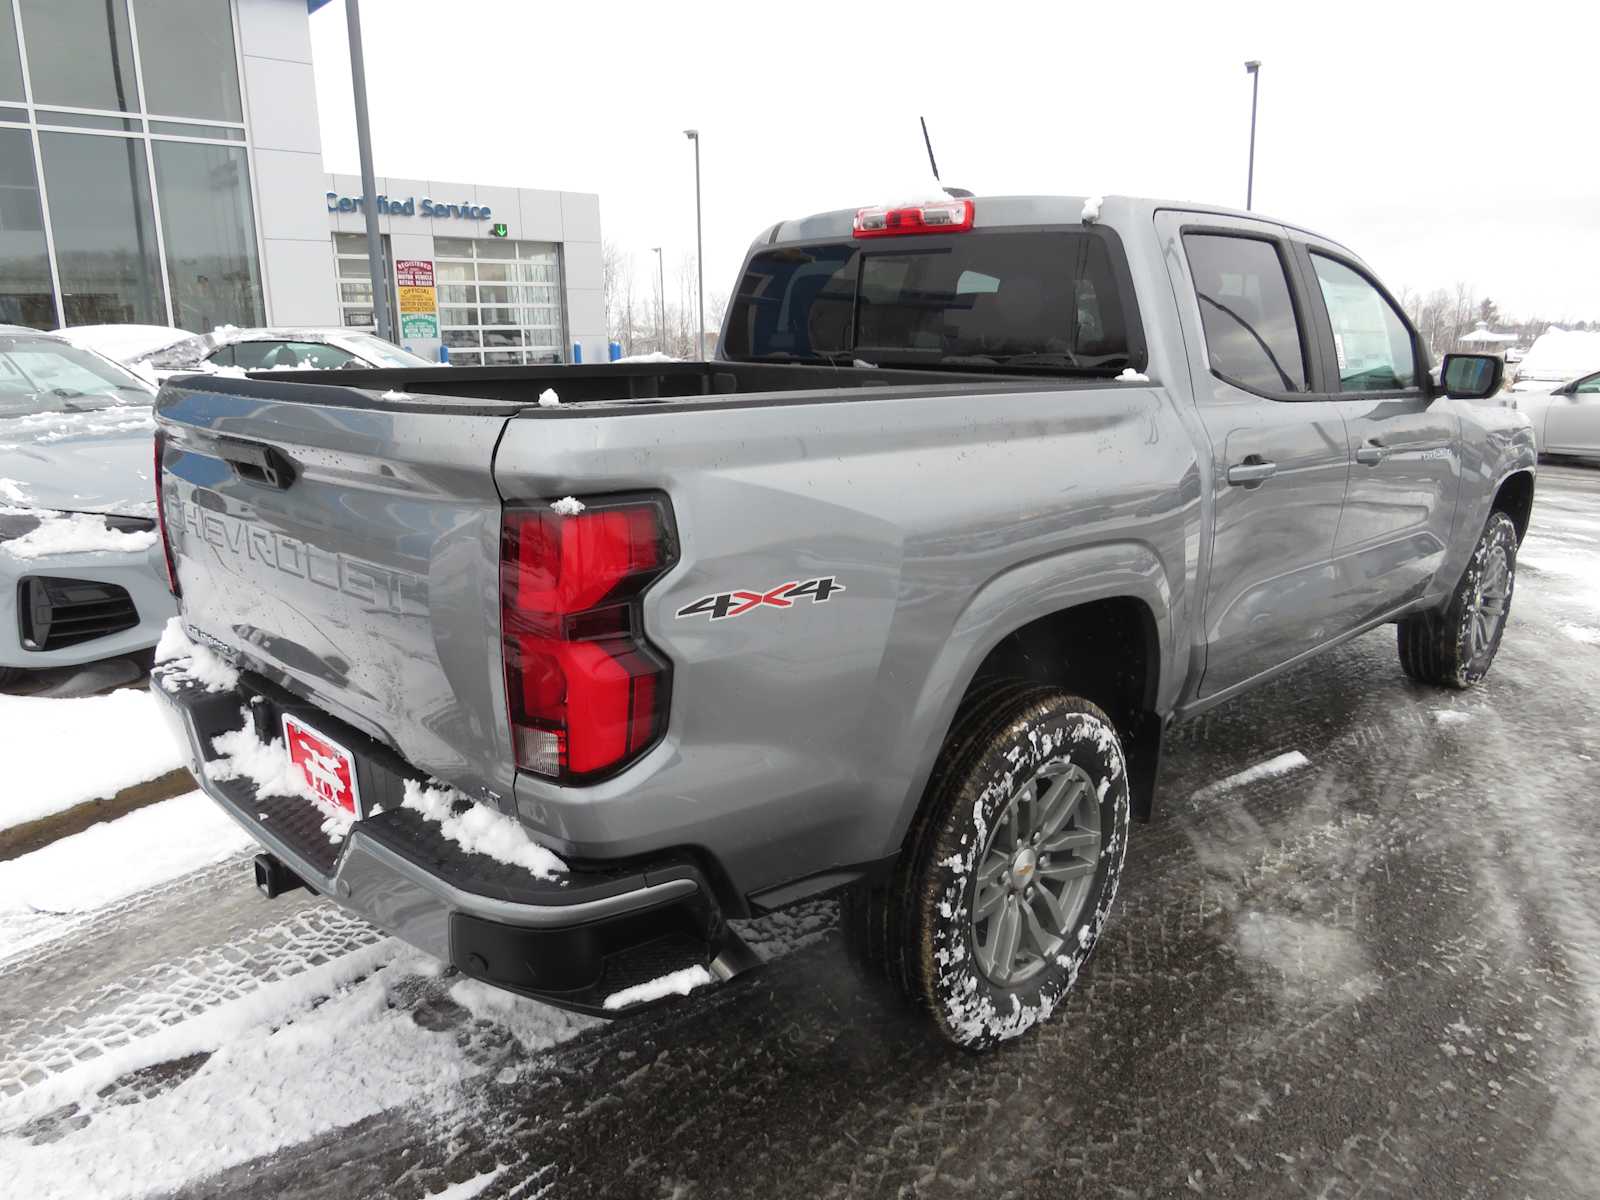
616,266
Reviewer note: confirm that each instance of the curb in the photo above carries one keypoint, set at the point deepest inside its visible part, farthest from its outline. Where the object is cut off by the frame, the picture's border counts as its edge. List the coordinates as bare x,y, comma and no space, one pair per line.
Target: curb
35,835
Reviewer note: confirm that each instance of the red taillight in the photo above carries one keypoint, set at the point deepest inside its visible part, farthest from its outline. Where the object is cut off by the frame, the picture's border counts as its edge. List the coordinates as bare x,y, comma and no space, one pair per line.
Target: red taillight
936,216
161,517
587,693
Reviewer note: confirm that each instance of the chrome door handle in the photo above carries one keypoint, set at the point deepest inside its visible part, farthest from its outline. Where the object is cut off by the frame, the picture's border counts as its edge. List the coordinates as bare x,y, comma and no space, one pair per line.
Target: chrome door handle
1372,454
1251,471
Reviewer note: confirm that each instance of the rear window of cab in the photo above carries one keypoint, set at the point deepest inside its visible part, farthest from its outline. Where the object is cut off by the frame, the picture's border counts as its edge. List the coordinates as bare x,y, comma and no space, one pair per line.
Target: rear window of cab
988,297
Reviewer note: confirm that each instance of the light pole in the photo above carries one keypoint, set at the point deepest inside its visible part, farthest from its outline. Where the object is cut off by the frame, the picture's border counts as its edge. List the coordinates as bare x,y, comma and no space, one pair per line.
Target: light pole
369,185
661,298
1253,67
699,261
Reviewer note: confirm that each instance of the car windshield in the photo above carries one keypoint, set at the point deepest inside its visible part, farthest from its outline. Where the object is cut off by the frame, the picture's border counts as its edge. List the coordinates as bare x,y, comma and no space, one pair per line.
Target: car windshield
190,352
384,354
1014,300
43,375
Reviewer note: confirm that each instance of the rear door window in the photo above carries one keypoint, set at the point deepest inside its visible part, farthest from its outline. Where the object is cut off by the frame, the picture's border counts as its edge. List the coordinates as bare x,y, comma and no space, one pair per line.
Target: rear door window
1372,344
1252,336
1043,299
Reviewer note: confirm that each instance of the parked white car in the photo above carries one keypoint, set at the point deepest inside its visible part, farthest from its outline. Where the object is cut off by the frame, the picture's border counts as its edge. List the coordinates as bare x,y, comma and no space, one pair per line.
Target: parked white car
1556,356
1566,419
143,349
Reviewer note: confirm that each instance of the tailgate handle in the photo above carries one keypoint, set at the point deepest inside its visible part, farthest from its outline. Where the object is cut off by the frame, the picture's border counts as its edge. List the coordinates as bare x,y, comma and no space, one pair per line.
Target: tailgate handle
257,462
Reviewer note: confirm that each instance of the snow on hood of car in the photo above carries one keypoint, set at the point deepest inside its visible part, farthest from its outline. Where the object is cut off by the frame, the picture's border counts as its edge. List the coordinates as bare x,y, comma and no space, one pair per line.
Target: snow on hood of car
98,462
124,342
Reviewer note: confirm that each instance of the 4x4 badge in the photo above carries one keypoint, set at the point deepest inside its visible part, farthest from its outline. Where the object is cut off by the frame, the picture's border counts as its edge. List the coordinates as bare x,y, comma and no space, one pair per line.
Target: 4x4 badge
740,601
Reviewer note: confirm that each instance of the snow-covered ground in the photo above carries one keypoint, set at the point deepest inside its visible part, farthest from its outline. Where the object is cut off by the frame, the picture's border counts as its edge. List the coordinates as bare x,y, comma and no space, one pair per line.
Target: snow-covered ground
42,894
61,752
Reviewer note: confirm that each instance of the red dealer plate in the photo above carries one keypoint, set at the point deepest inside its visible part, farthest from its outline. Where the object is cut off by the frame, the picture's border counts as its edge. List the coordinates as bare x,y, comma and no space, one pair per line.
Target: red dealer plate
327,767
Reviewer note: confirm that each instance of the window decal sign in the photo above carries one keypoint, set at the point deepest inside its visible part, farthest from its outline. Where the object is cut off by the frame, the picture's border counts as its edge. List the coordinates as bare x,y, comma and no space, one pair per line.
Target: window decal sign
738,602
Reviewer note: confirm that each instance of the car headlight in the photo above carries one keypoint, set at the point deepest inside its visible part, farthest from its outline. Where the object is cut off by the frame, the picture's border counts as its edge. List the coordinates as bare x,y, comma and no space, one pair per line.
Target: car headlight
17,524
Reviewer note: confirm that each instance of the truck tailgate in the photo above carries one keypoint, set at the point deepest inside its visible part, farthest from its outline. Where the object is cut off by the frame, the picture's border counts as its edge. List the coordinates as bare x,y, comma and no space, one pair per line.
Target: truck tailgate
346,546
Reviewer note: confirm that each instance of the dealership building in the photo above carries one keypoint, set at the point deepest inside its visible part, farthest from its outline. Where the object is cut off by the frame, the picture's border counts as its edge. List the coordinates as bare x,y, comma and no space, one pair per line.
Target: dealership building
161,163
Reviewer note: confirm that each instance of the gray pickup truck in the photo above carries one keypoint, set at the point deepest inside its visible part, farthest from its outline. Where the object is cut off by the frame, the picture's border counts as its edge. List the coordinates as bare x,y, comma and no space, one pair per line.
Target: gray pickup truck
895,598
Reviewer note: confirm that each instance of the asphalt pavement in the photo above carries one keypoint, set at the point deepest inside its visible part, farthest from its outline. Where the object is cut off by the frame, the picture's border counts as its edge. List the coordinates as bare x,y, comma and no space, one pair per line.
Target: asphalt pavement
1374,975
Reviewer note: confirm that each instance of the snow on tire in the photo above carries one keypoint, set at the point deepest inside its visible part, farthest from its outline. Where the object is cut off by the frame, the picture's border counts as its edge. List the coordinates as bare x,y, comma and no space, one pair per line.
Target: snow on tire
1017,865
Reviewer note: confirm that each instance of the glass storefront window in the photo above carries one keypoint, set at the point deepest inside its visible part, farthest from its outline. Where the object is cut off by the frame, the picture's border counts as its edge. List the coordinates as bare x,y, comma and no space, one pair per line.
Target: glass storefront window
209,227
26,294
105,232
10,60
80,54
186,53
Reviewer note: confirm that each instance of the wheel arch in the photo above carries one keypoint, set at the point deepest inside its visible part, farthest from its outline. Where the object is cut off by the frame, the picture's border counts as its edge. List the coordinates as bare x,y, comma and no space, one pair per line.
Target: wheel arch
1096,621
1514,497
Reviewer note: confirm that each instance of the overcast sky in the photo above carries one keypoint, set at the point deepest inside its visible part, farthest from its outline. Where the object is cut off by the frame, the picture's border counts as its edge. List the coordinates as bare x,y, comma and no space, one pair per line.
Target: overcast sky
1441,142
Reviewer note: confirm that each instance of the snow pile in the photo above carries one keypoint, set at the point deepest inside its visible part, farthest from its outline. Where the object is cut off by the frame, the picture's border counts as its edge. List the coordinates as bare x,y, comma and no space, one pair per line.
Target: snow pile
116,859
268,767
1281,765
653,356
46,769
229,372
480,829
323,1050
861,362
468,1188
78,533
392,394
1129,375
190,662
1561,354
1091,209
548,398
44,429
568,506
676,983
11,490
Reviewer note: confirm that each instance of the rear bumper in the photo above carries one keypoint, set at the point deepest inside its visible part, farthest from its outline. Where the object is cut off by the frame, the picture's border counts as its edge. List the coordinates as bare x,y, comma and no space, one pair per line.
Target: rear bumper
571,941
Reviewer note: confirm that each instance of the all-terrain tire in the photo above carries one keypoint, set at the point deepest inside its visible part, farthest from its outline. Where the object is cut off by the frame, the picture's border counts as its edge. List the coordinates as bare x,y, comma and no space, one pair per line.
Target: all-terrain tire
976,816
1454,646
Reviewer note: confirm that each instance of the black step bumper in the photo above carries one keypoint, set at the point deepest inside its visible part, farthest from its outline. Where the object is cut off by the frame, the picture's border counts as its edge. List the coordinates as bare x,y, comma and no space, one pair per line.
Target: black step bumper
571,941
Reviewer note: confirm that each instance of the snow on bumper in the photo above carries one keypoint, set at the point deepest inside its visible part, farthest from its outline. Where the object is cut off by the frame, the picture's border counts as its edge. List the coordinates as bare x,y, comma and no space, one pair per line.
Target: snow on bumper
572,939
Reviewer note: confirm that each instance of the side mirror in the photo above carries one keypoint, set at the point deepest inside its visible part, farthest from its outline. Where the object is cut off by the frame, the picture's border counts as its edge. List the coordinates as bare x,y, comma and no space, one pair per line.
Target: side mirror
1471,376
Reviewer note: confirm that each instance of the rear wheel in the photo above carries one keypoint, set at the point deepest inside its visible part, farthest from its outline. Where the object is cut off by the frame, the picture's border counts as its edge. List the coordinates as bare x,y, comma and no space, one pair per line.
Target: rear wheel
1011,871
1454,646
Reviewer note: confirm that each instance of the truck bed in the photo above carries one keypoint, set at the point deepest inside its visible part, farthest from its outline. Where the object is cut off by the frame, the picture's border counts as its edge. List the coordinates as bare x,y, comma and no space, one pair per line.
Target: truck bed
503,390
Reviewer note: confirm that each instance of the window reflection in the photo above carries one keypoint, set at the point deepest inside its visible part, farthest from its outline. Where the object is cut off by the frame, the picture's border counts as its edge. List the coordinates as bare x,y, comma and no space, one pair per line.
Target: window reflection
10,60
105,232
26,296
80,54
209,229
186,54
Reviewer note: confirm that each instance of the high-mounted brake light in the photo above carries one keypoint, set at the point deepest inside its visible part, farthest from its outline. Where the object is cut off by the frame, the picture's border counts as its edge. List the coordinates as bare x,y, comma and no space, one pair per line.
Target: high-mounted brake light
936,216
587,694
161,516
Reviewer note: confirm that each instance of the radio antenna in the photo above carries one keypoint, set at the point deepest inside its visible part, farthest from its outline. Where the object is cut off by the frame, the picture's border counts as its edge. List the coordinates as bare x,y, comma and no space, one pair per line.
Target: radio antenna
954,192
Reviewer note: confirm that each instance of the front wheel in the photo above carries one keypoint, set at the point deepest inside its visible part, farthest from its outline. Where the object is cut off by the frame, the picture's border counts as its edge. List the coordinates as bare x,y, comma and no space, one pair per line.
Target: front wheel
1012,870
1455,645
